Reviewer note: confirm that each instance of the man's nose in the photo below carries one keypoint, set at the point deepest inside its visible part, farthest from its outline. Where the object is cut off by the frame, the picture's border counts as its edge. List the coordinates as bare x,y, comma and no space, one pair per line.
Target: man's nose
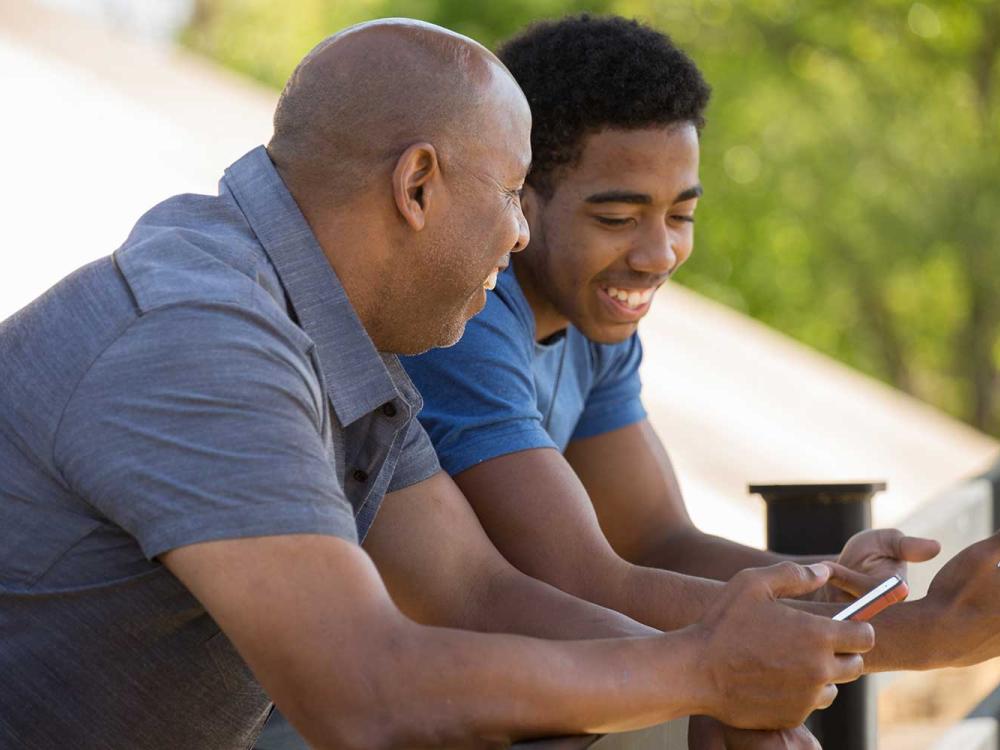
523,233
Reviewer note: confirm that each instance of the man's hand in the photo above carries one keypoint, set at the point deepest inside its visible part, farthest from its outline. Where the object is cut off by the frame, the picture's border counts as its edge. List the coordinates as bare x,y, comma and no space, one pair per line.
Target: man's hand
874,556
768,665
706,733
962,606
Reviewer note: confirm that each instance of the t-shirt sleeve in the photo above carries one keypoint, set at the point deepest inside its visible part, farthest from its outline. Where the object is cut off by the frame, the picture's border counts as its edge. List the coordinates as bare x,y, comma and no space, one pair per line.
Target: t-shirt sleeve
479,395
203,422
615,399
417,460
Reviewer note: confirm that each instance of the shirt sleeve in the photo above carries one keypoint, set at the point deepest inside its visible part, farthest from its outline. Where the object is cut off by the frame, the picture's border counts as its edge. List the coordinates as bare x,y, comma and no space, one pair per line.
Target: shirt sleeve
479,395
615,399
204,422
417,461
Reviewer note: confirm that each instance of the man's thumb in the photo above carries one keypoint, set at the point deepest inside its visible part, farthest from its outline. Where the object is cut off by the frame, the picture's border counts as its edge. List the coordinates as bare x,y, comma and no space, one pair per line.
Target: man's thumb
788,580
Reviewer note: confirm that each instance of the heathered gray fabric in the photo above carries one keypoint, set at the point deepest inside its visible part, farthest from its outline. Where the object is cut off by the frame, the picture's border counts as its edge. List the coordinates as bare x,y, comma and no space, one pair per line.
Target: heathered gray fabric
177,392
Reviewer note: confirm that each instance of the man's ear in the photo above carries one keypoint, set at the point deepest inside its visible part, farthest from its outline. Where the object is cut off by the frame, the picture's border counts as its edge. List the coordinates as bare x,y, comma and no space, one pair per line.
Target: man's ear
413,180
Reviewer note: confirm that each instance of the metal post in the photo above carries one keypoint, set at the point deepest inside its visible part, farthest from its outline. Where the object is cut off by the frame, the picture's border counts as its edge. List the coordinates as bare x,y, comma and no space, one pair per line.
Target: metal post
818,519
993,476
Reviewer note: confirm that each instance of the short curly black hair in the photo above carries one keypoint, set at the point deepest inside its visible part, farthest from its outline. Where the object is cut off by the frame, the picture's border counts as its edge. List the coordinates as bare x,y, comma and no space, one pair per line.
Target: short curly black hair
584,73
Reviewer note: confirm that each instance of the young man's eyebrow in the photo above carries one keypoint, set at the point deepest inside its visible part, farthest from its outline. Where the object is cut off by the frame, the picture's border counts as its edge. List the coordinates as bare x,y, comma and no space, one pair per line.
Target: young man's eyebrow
620,196
686,195
640,199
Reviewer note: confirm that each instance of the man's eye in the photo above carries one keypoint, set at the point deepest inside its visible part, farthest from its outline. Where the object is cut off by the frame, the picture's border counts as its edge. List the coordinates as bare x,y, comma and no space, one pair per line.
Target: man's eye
613,221
683,217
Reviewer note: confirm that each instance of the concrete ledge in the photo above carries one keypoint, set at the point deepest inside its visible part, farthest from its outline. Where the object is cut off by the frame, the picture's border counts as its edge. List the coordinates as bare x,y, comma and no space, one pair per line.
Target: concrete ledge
971,734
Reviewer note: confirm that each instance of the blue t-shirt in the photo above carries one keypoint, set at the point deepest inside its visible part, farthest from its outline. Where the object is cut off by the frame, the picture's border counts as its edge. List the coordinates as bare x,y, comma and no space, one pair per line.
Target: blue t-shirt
498,391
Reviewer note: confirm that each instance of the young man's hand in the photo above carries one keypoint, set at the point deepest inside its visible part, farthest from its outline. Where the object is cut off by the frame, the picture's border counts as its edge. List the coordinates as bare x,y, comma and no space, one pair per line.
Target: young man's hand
767,665
706,733
873,556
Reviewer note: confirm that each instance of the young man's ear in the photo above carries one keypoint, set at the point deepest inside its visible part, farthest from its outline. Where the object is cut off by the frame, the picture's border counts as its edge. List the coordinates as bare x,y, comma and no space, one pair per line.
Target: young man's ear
413,182
531,202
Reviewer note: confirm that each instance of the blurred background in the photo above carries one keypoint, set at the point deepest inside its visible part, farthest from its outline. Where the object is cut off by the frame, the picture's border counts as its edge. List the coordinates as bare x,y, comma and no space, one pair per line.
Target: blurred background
839,319
851,159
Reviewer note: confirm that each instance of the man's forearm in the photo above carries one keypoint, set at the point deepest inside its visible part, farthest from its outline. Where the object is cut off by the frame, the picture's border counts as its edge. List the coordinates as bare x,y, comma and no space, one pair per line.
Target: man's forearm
513,602
522,687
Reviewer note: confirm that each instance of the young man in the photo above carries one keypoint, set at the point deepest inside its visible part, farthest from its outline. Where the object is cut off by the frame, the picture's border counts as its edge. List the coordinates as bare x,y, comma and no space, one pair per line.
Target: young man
196,431
536,412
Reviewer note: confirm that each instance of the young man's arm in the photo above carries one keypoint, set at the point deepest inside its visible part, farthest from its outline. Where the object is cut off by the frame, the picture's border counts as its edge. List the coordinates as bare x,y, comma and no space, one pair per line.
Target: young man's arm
631,483
538,514
312,619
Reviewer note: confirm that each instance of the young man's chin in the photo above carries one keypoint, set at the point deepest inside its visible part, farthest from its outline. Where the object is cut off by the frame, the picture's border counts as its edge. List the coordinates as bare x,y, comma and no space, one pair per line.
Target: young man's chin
610,333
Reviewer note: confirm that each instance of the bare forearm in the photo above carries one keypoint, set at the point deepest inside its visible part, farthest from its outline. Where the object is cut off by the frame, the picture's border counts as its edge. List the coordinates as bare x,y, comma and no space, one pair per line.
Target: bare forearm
522,687
698,554
904,637
904,641
518,604
664,599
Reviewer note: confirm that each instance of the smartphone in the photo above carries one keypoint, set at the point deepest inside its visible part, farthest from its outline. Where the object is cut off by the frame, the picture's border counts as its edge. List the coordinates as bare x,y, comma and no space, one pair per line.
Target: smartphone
889,592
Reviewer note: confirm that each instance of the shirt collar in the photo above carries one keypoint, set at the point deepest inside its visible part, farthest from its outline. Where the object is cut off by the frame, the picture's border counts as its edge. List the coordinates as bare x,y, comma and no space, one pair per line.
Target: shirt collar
357,377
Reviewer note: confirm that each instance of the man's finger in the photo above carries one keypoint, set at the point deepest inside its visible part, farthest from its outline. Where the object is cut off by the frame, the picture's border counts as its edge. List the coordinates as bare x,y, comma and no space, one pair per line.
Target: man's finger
850,581
827,697
788,580
762,739
850,637
849,667
917,549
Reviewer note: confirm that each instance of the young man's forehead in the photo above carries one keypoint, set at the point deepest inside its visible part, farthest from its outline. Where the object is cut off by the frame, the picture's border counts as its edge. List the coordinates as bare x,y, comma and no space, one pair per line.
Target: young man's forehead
637,167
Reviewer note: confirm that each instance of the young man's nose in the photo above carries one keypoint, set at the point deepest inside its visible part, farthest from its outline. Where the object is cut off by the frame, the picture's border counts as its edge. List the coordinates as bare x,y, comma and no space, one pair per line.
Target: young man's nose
655,254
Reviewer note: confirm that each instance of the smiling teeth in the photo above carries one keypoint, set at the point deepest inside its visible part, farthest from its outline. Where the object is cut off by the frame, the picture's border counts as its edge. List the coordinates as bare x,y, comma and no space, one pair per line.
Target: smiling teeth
632,298
491,280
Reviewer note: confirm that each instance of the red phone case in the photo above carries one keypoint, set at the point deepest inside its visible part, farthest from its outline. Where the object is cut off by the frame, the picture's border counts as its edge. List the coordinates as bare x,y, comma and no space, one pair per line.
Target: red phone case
896,594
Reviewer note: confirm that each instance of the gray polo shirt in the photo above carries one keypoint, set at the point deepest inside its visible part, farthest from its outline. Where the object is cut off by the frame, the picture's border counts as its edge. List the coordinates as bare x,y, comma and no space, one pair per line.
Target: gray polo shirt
210,380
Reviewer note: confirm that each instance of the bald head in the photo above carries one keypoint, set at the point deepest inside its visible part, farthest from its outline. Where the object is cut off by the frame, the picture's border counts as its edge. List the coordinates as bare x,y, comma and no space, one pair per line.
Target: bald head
363,95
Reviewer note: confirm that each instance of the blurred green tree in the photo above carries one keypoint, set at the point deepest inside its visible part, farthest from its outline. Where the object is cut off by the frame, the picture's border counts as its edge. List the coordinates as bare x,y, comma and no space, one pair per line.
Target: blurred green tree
851,162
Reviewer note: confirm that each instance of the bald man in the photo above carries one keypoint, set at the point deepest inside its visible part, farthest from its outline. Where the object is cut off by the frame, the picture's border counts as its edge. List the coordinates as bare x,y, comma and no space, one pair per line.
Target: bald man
197,431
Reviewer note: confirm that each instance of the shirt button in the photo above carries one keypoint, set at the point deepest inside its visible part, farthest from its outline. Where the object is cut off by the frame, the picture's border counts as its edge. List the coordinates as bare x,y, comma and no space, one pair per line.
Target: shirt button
389,410
360,475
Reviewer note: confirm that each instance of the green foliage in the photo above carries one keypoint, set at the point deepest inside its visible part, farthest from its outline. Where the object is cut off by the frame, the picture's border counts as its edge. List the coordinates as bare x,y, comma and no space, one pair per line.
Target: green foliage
851,164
